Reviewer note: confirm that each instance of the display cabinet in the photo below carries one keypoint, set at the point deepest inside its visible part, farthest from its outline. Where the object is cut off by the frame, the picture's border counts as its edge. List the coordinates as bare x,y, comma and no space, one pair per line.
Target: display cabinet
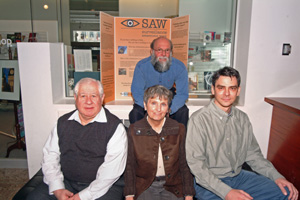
206,55
211,41
82,40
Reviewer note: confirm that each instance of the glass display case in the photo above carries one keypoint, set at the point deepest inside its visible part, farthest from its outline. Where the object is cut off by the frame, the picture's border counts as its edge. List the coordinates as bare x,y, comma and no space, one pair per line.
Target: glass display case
86,36
82,40
211,41
208,52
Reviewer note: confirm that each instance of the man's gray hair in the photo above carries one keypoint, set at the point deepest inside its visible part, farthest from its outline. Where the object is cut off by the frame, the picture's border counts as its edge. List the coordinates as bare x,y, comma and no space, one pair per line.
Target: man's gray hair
158,91
89,80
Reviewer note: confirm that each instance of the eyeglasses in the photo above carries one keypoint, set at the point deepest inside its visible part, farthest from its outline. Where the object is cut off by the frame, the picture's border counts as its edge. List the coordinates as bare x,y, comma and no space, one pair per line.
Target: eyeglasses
160,51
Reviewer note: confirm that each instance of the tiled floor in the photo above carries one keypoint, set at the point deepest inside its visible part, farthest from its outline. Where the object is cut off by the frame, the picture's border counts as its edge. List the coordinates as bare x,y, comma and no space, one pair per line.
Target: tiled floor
11,181
13,171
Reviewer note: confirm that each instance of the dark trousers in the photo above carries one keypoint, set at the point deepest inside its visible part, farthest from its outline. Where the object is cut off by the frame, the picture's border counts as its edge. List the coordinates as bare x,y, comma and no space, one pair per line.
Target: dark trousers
156,191
138,113
41,192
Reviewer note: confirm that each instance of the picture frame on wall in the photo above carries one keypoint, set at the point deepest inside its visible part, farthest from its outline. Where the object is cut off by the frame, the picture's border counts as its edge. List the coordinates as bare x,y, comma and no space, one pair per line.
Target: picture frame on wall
10,81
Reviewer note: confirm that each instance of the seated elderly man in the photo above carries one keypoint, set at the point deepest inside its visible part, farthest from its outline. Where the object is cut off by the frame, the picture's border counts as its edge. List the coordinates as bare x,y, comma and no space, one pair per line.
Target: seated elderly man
156,166
86,152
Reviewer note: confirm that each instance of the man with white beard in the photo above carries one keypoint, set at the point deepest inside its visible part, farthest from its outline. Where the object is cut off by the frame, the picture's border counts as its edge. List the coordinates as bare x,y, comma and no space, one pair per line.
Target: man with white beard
160,69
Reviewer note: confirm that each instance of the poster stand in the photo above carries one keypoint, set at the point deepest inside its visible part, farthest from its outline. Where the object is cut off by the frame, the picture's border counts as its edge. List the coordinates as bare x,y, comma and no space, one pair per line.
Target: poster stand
10,91
19,144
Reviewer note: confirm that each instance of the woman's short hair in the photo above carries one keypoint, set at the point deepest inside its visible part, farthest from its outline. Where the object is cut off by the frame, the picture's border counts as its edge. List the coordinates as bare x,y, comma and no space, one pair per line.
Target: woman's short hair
158,91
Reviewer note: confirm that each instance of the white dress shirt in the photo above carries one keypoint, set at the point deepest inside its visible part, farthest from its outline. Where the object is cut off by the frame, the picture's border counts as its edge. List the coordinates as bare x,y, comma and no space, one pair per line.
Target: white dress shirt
107,174
160,163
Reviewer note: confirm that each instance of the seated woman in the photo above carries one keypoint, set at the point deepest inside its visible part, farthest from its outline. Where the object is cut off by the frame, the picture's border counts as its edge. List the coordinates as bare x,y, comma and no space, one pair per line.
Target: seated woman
156,164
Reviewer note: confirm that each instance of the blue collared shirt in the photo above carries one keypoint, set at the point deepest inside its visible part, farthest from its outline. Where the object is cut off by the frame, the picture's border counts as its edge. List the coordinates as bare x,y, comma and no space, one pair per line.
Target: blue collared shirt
146,76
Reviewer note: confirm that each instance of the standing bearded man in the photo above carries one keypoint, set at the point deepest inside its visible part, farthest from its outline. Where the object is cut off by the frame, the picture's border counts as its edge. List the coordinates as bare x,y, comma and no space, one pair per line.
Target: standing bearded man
161,69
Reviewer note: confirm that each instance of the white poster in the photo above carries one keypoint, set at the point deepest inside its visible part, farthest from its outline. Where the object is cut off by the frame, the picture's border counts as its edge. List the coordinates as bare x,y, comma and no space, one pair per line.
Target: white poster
83,60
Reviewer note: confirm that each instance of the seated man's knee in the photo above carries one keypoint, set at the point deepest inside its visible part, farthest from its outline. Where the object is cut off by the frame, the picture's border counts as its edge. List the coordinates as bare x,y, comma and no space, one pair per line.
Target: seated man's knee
41,191
38,194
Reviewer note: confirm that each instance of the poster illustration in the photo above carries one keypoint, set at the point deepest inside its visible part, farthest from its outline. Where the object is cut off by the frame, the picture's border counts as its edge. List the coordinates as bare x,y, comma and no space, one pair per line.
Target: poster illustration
10,84
7,80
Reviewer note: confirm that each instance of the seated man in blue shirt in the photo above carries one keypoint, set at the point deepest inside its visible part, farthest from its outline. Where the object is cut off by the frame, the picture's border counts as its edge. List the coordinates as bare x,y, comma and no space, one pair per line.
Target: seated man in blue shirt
220,139
160,69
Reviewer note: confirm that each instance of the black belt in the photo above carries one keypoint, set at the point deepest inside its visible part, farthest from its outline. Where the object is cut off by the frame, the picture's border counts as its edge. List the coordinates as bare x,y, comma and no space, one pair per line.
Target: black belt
160,178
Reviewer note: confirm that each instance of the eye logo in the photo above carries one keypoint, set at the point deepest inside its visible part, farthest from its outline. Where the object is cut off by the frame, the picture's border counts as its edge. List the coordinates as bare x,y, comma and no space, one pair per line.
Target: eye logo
130,23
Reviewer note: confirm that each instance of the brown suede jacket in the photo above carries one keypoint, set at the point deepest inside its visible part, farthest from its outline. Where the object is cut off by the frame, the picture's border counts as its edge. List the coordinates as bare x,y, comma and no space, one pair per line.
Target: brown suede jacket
143,144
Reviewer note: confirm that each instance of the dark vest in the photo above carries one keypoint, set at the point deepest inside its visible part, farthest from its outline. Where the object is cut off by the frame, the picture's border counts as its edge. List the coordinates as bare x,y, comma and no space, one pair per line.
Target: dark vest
83,148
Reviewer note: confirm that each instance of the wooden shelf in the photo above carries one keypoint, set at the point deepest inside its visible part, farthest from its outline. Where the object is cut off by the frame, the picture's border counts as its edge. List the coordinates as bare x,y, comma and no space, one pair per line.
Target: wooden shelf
291,104
284,148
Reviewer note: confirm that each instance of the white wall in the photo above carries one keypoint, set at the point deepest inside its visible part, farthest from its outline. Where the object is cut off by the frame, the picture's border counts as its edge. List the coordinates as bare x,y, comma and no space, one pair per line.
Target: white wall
212,15
269,73
36,63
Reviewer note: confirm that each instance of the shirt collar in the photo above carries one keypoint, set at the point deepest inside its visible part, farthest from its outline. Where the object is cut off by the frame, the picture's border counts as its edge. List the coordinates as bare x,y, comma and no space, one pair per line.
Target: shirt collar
219,112
100,117
161,126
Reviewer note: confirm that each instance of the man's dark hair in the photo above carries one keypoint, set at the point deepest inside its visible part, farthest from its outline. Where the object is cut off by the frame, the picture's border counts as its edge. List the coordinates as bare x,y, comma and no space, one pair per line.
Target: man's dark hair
226,71
153,42
158,91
